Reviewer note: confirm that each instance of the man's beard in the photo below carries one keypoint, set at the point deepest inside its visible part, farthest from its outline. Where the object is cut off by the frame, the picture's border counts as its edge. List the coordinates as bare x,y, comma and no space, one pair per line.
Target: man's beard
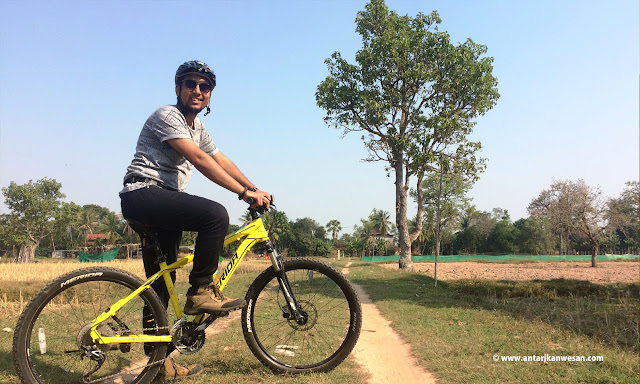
187,109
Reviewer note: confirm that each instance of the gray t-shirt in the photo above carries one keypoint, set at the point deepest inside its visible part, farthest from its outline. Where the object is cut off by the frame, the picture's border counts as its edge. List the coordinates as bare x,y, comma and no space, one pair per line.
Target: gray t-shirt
155,159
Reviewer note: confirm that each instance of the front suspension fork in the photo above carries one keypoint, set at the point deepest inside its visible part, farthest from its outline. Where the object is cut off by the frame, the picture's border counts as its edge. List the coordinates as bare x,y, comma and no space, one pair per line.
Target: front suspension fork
278,265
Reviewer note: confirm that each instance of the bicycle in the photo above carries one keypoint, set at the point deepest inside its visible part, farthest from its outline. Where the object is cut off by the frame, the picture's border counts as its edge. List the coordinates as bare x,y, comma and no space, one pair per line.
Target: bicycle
302,315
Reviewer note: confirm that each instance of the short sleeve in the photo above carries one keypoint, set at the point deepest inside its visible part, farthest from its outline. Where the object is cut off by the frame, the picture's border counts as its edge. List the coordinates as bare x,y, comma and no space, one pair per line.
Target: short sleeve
207,144
204,140
168,123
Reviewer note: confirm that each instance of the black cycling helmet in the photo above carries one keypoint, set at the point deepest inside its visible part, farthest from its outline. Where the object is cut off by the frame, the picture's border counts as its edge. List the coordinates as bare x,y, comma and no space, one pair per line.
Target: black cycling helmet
197,67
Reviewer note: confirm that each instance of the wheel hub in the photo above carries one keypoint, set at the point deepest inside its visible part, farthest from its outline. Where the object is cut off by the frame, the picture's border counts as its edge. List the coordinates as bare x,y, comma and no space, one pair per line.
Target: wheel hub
309,313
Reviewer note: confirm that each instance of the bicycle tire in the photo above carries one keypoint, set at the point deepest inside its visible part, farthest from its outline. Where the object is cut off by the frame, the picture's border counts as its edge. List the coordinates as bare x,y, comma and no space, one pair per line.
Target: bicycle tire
332,328
59,316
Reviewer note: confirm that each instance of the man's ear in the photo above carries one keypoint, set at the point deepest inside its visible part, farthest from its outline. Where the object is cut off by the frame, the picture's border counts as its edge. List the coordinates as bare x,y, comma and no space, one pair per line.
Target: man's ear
177,89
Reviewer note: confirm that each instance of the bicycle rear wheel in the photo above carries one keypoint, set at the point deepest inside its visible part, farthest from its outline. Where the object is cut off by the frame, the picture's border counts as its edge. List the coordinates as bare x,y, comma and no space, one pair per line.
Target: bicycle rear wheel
333,318
52,342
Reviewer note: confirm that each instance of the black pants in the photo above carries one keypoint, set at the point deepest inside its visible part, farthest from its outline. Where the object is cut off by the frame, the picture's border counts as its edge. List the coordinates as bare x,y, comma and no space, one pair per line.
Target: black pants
171,213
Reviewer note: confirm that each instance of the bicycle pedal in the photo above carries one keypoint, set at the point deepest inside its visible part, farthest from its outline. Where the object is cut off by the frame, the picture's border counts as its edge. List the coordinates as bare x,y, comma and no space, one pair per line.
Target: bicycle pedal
217,315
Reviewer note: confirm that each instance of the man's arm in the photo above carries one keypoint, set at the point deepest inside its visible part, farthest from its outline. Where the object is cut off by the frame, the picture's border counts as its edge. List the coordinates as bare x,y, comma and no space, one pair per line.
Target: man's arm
232,170
214,171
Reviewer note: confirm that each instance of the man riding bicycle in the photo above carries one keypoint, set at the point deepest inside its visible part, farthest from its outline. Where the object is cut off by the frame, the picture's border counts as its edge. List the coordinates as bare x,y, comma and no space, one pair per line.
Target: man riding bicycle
173,140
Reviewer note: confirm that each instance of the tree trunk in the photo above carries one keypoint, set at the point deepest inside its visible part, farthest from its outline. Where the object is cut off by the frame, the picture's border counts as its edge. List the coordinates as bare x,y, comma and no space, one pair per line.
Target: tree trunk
594,254
26,254
438,230
401,216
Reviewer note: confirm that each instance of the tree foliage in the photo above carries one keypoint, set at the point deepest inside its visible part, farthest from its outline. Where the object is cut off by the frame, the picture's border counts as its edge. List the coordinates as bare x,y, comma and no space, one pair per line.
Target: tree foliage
623,216
33,207
414,95
575,208
466,230
306,237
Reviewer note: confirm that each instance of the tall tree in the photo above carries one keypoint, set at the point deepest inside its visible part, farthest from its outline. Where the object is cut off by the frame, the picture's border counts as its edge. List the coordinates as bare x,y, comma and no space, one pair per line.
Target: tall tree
379,219
334,227
554,205
445,200
534,236
623,214
415,96
33,207
113,227
578,207
277,223
503,238
476,227
65,232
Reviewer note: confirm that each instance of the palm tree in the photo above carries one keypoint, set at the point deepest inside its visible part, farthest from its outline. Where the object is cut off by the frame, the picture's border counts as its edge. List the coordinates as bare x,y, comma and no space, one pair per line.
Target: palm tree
87,224
380,221
334,227
423,236
364,234
113,227
277,224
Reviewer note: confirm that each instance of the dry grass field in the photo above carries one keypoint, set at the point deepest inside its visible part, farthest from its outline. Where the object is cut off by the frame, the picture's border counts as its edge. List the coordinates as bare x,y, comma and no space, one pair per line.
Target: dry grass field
19,282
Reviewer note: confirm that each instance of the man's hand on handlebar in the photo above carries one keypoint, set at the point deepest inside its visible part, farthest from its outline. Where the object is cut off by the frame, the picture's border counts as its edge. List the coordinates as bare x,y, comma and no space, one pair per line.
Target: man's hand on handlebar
258,199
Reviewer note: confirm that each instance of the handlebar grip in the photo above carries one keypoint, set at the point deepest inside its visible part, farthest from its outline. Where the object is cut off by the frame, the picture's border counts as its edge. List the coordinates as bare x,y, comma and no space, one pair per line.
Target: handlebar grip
250,200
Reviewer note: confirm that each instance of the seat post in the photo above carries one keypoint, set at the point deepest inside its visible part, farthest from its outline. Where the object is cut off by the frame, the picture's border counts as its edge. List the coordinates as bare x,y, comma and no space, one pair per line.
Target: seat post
147,232
156,245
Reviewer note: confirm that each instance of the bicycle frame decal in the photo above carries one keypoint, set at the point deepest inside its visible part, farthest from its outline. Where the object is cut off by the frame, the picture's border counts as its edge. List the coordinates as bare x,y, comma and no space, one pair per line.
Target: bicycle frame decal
253,234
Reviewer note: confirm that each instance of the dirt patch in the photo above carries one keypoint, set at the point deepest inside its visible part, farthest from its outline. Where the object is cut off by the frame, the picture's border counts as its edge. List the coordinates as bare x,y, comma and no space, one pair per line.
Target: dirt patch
607,272
381,351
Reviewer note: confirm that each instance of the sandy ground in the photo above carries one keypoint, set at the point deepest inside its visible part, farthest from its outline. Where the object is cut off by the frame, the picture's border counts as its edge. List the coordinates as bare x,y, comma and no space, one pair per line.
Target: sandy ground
392,364
607,271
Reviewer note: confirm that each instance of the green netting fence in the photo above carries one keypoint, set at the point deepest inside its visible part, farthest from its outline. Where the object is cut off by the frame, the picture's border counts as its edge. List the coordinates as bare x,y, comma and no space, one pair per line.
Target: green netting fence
503,258
104,256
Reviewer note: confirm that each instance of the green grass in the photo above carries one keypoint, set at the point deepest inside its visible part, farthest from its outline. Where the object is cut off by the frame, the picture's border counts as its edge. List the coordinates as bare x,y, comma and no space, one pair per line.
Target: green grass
455,329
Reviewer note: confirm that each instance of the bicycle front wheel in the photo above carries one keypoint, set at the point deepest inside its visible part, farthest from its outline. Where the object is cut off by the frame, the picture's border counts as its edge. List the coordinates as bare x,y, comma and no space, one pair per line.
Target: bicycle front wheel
327,335
52,342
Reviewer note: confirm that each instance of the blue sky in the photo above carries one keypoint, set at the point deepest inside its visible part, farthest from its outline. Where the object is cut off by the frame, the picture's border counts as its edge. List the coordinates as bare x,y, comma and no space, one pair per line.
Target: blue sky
78,80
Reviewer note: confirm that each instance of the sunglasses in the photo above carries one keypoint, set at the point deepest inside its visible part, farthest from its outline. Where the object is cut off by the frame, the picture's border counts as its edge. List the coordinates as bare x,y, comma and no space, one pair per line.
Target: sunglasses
192,84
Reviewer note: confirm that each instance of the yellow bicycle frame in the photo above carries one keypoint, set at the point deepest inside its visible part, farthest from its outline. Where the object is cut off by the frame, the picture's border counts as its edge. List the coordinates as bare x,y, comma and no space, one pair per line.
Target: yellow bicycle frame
253,233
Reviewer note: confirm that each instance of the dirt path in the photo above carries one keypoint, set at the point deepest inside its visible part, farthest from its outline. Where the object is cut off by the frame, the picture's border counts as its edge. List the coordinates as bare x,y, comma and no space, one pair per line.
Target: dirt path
381,351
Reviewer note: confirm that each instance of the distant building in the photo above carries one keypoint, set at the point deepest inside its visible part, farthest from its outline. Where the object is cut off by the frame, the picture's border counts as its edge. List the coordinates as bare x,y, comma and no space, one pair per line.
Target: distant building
388,239
92,237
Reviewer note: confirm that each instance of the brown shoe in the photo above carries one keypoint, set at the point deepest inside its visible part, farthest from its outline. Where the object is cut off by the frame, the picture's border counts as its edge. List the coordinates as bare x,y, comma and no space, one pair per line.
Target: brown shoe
209,299
171,370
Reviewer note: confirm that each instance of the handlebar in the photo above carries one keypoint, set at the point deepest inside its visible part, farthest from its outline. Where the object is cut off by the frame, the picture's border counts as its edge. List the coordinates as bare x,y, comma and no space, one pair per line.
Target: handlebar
257,211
